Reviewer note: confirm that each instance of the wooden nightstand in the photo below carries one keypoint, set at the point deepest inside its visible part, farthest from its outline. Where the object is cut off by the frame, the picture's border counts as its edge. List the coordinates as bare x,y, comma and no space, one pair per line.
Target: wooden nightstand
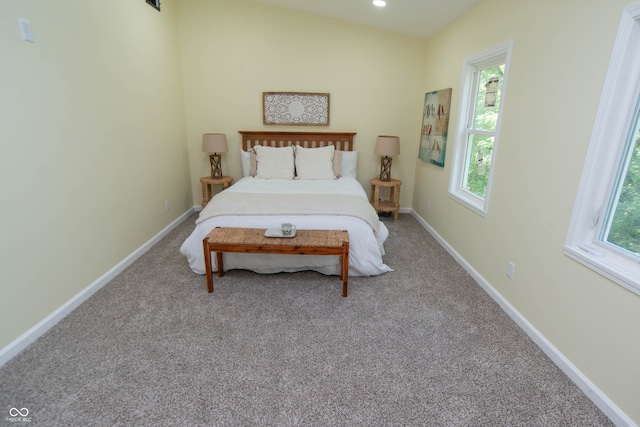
391,205
207,182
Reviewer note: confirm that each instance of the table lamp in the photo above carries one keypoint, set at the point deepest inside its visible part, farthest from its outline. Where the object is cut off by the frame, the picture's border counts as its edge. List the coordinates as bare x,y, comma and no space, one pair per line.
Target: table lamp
387,146
215,143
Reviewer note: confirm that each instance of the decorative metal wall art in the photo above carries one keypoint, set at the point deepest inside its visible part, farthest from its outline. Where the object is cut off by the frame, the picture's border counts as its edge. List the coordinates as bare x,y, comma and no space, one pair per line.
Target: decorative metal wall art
435,124
295,108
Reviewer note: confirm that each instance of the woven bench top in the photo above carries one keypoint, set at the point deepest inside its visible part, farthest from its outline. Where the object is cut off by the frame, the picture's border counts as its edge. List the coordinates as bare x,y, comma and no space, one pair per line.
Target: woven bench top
255,236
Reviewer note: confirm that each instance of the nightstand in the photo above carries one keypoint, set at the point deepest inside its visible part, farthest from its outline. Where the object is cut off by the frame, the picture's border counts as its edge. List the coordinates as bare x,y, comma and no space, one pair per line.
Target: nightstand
207,182
390,205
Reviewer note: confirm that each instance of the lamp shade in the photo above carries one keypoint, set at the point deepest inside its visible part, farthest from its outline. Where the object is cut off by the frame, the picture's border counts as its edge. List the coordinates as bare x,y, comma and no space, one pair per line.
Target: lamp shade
387,145
214,143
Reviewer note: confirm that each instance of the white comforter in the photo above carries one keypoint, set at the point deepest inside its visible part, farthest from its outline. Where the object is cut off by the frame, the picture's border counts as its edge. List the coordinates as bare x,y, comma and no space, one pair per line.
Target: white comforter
365,245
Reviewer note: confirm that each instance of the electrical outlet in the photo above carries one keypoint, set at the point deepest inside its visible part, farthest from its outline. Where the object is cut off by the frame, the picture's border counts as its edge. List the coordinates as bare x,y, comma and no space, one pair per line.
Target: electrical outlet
428,205
511,268
166,206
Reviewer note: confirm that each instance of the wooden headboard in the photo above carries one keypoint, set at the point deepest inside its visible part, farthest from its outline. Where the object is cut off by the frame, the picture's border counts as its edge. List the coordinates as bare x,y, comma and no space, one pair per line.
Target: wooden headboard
343,141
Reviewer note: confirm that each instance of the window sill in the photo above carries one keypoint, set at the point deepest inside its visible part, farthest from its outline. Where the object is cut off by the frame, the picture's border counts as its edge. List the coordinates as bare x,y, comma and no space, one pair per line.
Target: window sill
624,272
471,201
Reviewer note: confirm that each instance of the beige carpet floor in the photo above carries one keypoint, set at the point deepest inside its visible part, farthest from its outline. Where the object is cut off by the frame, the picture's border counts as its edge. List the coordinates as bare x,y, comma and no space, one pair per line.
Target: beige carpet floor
422,345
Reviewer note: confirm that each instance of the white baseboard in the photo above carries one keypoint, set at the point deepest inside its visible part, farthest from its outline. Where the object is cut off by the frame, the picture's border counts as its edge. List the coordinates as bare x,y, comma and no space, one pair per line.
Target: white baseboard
47,323
610,409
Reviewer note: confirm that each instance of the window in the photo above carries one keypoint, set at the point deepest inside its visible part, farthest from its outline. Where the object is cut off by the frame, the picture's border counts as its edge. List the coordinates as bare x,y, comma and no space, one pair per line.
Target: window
604,232
484,78
621,225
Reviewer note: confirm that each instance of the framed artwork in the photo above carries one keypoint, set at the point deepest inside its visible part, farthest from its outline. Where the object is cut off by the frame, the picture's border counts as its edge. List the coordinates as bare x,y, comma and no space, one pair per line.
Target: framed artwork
295,108
435,125
154,3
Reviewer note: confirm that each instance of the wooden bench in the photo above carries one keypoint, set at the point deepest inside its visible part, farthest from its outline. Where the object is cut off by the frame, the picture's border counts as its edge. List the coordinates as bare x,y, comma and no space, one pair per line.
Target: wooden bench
253,240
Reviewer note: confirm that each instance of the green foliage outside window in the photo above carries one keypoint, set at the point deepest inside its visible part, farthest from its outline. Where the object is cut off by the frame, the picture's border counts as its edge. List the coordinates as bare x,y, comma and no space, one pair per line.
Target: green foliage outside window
485,118
478,175
625,226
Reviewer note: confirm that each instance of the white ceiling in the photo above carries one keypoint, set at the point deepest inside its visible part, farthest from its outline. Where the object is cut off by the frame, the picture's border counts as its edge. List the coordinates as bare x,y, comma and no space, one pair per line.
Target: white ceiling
418,18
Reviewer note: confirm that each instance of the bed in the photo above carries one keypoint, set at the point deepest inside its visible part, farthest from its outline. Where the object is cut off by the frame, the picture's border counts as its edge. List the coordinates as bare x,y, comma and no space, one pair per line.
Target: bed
308,179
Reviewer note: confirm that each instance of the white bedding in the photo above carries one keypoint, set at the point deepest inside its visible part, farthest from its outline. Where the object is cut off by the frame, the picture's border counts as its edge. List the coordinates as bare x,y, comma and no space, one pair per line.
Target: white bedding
365,245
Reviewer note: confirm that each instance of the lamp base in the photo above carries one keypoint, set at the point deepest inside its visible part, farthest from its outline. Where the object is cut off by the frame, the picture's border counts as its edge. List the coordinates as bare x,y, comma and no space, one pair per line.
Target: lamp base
385,168
216,165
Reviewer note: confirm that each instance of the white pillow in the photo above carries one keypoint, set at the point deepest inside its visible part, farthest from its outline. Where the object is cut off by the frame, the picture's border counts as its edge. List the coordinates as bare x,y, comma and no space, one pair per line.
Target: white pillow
245,160
337,163
315,163
349,164
274,163
248,160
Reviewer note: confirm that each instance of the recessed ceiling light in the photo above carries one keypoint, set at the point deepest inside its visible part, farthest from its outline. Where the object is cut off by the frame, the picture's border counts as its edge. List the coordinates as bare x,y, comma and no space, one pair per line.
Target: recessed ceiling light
379,3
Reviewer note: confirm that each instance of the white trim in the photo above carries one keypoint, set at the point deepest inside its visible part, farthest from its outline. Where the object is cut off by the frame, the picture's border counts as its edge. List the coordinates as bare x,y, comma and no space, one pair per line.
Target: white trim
20,343
610,409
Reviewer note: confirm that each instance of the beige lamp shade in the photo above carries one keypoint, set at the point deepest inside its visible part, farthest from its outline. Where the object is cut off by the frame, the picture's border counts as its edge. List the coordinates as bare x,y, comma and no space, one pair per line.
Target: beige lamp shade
387,145
214,143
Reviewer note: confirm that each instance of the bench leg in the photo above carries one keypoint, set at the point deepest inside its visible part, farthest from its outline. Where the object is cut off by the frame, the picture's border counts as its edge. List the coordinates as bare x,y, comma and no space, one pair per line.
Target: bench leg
207,264
345,269
345,286
220,266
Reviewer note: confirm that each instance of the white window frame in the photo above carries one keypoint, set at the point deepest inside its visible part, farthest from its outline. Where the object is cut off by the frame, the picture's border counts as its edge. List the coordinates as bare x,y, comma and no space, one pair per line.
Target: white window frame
606,152
489,57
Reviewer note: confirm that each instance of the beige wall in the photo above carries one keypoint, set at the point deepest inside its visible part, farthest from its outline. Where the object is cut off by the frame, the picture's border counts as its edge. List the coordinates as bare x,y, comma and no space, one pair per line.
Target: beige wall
234,51
560,57
93,142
